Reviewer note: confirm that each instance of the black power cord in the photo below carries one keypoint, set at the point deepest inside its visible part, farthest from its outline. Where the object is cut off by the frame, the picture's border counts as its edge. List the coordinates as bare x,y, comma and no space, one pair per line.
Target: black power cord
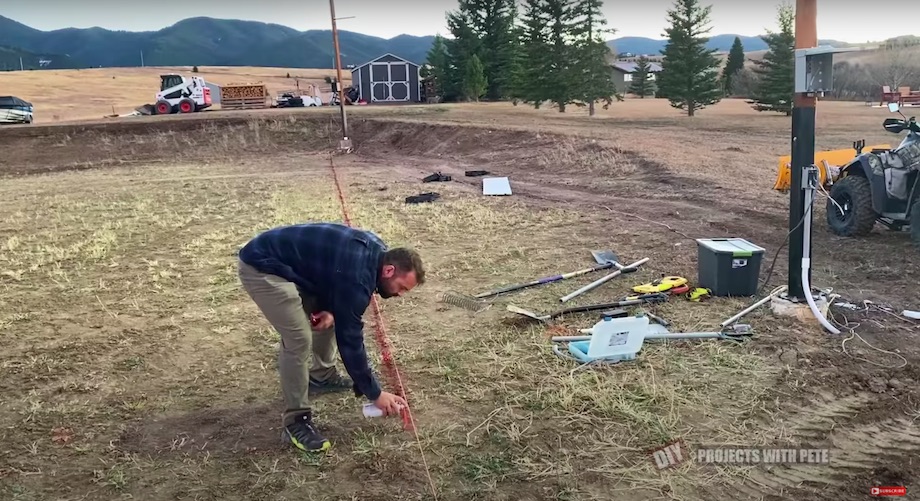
786,241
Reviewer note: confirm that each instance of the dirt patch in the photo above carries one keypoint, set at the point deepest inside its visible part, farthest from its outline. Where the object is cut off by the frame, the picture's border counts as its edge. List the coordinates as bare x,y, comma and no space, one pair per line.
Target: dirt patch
216,432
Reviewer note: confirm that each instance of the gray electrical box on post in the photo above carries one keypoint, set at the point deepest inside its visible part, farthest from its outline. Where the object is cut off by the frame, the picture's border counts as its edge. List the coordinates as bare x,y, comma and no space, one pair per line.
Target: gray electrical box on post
814,69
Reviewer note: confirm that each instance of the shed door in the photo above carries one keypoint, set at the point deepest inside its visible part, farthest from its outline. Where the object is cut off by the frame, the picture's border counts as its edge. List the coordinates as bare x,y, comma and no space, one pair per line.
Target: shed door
399,81
390,82
380,82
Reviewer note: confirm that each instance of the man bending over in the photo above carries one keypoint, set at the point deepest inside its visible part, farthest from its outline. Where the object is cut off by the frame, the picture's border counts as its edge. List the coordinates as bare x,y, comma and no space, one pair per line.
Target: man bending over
313,283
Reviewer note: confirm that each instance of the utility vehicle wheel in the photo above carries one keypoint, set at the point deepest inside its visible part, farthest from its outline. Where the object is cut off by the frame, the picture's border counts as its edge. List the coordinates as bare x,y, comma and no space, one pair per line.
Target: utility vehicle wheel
915,223
854,195
186,106
163,108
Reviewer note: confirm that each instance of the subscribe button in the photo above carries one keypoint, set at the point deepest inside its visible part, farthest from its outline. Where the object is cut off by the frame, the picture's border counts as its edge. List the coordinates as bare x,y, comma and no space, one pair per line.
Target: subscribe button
888,491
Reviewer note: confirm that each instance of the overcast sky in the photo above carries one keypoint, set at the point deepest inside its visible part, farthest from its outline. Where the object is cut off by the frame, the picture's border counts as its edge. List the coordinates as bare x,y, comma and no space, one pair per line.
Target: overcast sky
844,20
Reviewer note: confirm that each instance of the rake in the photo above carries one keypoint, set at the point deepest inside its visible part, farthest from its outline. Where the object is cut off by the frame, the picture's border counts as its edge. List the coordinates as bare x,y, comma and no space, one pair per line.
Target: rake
464,301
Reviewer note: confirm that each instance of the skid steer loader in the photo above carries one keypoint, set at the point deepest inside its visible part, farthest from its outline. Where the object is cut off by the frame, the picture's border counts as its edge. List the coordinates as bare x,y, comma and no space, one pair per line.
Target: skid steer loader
880,186
180,94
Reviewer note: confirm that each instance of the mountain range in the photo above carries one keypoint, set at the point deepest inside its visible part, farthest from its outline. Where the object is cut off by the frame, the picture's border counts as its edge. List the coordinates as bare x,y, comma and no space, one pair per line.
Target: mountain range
206,41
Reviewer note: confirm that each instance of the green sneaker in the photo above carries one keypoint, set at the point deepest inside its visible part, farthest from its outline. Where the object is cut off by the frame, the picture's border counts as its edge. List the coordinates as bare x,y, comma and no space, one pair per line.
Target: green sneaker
334,384
304,436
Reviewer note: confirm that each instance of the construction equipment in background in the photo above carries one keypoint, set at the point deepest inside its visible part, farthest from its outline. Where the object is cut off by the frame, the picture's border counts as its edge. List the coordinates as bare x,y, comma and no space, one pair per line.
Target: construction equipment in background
179,94
828,163
244,97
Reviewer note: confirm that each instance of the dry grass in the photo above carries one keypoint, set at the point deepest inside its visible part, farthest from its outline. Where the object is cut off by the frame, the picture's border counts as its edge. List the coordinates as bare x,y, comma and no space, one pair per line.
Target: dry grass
135,367
60,95
148,324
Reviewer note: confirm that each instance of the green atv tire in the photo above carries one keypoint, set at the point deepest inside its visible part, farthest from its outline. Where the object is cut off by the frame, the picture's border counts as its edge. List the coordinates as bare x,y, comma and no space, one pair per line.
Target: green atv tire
854,195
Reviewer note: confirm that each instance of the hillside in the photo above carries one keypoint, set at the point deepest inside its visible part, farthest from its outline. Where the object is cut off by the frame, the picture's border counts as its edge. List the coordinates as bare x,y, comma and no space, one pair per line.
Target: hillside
210,42
206,41
12,58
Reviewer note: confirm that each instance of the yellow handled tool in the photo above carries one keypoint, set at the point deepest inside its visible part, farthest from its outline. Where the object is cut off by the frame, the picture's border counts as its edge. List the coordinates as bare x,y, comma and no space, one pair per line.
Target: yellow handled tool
699,293
661,285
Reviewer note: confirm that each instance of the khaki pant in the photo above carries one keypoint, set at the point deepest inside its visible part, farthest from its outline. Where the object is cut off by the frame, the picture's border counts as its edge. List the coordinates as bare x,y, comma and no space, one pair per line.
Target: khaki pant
288,312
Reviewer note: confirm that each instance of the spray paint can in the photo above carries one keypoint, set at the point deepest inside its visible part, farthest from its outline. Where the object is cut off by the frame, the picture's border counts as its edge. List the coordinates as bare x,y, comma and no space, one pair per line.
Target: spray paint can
371,411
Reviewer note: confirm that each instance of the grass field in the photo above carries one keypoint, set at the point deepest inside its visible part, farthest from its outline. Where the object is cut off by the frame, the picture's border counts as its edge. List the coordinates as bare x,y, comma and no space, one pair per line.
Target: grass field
136,368
63,95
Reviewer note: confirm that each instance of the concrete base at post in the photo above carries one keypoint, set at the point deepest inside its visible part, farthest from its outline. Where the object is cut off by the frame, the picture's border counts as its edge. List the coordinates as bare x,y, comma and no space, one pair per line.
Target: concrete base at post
781,305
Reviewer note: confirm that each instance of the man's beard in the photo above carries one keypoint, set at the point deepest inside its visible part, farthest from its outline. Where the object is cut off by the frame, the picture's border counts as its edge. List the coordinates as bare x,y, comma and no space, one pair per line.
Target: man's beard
383,292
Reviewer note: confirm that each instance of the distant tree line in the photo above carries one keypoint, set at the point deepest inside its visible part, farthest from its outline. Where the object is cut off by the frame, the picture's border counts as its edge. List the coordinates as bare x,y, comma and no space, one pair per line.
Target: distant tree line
554,51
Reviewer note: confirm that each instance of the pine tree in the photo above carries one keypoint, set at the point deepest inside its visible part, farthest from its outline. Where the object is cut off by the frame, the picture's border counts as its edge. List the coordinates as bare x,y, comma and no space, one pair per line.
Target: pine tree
594,75
562,80
438,60
548,54
475,83
776,86
733,65
494,25
484,28
460,49
534,81
689,76
642,85
516,71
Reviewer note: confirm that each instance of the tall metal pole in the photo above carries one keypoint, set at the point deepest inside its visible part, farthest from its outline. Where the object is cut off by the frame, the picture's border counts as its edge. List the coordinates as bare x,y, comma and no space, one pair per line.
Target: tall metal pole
346,142
803,149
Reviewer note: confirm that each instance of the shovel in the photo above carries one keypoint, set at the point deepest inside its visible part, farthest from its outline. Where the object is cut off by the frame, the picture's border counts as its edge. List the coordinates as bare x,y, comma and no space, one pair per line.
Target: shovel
605,260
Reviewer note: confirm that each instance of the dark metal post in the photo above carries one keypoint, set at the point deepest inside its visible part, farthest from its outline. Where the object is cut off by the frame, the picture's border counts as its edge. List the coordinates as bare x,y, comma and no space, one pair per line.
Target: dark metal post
803,149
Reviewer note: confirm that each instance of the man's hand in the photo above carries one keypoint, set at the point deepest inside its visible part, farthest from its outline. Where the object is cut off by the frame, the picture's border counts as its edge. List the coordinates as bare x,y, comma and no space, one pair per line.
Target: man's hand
389,403
322,320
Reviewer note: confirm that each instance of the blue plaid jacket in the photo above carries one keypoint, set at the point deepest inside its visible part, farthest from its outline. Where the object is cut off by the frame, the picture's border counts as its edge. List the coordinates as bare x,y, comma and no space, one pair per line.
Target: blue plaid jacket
339,267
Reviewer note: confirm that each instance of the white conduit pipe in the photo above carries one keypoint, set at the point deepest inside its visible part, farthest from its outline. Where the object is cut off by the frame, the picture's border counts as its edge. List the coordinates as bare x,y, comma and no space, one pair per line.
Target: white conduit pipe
806,262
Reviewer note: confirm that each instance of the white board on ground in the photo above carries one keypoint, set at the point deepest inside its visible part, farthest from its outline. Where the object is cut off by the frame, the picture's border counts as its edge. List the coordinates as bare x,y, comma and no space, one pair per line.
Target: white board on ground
496,186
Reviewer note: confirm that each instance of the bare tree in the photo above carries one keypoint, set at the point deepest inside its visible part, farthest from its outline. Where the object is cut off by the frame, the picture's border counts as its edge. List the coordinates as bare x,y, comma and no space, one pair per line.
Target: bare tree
744,83
897,66
853,81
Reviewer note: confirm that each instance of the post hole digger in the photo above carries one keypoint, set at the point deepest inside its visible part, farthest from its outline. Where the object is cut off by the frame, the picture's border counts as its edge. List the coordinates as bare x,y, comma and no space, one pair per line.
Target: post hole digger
630,268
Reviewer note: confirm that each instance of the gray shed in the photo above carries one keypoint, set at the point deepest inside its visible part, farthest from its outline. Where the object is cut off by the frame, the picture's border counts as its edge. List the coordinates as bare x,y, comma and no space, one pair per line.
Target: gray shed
387,79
